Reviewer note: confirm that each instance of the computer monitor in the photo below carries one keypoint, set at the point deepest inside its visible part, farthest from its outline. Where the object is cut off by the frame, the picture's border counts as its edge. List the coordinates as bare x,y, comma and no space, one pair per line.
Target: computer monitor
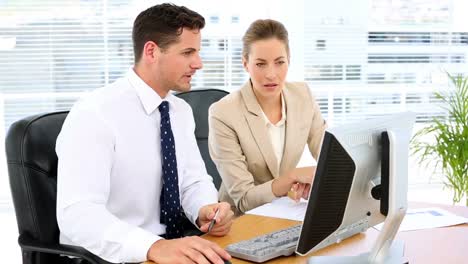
361,180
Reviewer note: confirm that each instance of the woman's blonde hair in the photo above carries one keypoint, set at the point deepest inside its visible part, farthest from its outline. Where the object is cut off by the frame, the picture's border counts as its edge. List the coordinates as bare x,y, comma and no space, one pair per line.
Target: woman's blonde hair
263,29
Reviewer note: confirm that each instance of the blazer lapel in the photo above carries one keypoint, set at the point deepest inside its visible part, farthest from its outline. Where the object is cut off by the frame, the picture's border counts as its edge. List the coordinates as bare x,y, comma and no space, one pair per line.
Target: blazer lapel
295,125
258,128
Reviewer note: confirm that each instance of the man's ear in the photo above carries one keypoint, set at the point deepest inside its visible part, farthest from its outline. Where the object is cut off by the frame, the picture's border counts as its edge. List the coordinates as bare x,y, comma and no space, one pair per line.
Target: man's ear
150,51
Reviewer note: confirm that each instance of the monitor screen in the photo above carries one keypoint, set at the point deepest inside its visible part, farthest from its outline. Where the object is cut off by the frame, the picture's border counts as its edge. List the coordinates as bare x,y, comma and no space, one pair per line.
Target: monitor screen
361,178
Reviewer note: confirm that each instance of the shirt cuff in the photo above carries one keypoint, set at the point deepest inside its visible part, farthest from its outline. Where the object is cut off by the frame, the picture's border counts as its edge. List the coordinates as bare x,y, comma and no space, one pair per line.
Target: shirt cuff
192,215
137,244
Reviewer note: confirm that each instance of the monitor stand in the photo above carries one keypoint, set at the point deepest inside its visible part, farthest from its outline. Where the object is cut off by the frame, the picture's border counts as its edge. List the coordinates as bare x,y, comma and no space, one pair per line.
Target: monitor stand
394,256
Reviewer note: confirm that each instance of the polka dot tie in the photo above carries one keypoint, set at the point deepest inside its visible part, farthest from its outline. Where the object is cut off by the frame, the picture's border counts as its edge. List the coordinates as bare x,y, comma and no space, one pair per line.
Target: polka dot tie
171,213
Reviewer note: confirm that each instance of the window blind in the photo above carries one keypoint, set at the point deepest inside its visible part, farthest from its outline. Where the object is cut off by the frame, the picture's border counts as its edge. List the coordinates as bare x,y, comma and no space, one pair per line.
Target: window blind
365,59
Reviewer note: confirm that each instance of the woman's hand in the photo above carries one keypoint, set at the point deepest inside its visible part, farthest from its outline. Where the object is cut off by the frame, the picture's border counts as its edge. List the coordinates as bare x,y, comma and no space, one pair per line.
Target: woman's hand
304,174
298,191
297,183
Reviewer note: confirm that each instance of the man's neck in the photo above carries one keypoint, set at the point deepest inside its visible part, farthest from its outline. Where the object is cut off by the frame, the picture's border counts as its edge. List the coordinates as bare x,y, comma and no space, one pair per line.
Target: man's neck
150,79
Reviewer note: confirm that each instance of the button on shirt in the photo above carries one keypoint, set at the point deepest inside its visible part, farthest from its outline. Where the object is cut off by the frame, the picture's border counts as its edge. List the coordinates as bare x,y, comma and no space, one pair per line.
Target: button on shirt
110,170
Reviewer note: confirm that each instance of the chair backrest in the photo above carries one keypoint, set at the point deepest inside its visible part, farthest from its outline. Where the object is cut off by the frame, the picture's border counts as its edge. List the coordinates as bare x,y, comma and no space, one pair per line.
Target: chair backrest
200,100
32,169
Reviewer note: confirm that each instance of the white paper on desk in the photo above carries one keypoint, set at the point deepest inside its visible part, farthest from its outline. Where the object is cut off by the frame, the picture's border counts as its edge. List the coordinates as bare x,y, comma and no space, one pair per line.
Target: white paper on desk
425,218
282,207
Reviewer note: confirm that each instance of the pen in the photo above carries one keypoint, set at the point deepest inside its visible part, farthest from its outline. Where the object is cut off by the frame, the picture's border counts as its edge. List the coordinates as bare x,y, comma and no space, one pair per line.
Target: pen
213,221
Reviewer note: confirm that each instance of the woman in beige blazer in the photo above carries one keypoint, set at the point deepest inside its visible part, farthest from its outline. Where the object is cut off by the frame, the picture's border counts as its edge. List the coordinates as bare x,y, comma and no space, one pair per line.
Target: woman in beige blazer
258,133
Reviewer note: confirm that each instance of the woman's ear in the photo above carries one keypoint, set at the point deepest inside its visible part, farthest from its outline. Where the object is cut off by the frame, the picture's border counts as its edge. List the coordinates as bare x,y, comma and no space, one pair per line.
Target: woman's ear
244,63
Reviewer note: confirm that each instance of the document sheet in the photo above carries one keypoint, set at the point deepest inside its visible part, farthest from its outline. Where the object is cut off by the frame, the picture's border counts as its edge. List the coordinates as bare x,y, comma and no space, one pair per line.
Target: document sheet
282,207
424,218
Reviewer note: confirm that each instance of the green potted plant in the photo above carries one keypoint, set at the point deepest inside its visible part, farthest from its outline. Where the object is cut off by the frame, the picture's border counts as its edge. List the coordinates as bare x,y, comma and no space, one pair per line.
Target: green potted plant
449,149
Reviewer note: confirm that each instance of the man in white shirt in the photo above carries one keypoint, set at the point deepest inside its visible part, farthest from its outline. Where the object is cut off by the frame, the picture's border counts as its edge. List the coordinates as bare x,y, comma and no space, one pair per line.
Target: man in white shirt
117,192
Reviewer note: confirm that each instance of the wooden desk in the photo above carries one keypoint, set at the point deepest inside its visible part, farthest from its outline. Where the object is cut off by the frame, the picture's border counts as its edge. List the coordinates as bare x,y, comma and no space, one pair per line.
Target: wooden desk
437,245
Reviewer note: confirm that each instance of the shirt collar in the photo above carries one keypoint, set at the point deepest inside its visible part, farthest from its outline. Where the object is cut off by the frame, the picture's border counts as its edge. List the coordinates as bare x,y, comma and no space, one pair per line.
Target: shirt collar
148,97
283,114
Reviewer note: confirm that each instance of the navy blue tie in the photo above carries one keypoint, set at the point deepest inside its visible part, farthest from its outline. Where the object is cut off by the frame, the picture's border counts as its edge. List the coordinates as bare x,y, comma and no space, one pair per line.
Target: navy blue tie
171,213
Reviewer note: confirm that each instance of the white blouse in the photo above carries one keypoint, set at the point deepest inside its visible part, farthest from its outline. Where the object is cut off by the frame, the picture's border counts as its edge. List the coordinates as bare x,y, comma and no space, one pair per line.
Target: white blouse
276,132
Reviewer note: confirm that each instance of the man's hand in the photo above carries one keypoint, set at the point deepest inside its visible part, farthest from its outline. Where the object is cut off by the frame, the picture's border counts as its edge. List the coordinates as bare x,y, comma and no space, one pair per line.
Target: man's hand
187,250
223,220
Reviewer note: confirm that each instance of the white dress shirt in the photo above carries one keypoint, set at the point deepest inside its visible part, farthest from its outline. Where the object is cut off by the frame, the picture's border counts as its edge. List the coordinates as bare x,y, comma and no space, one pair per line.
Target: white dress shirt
276,132
109,170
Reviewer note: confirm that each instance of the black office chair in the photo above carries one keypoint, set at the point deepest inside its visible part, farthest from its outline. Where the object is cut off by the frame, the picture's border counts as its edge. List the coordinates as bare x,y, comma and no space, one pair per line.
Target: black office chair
32,169
200,100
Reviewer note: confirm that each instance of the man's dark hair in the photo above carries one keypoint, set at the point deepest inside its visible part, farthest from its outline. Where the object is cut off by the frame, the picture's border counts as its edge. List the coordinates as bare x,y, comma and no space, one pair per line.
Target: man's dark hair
163,24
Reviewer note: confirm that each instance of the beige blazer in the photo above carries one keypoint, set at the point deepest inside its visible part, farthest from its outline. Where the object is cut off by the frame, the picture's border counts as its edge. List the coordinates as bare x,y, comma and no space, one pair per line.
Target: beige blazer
240,146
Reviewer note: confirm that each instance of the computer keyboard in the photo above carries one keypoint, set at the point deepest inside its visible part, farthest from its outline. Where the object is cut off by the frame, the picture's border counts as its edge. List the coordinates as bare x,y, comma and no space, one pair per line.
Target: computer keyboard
265,247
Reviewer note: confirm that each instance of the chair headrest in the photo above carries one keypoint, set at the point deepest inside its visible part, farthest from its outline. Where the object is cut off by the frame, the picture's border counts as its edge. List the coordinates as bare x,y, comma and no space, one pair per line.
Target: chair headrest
32,141
200,100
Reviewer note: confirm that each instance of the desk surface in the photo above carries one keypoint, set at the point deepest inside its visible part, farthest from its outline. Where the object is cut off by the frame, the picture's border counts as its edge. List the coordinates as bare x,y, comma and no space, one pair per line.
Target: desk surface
437,245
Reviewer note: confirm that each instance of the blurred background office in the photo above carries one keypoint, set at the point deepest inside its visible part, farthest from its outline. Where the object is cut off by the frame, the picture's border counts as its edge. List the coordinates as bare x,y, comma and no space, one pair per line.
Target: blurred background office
362,59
